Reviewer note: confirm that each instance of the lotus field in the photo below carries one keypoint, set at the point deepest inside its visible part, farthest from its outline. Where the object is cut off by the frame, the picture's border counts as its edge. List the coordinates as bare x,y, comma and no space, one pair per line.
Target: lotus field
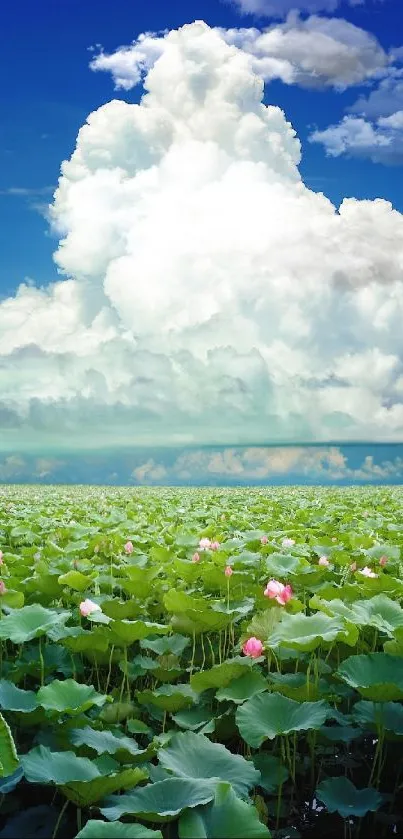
201,663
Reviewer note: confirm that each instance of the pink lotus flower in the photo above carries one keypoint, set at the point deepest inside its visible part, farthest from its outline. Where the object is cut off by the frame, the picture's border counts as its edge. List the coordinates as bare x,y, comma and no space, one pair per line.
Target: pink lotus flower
228,571
288,543
366,572
204,544
214,546
383,561
129,547
253,647
353,566
323,562
264,540
277,590
2,587
87,607
1,558
196,557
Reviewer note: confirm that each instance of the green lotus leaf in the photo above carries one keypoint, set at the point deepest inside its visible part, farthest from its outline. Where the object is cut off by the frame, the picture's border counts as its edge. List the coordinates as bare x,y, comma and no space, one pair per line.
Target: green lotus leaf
120,610
84,640
170,698
263,623
76,580
297,686
15,699
42,766
174,644
380,611
377,676
30,622
339,795
340,733
95,829
12,599
117,712
243,688
127,632
8,752
138,727
221,674
227,817
283,565
193,719
273,773
265,716
161,801
104,742
386,715
87,793
306,633
69,697
191,755
193,614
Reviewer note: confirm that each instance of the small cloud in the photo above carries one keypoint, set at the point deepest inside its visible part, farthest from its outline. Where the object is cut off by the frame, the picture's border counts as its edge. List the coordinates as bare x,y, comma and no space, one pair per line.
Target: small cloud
27,192
149,472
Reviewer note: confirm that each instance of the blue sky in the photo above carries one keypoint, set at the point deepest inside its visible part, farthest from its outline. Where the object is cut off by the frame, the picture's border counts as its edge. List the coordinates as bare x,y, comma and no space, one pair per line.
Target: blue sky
203,294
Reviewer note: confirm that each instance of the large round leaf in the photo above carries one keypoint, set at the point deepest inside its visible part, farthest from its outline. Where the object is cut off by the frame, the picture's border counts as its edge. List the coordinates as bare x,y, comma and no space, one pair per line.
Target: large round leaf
69,697
227,817
42,766
170,698
30,622
161,801
377,676
126,632
272,772
221,674
8,753
341,796
105,742
95,829
387,715
303,632
190,755
267,715
15,699
243,688
87,793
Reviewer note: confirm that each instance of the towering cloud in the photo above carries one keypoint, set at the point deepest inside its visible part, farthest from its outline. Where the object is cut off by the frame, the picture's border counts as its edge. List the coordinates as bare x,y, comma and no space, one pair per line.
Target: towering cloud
210,295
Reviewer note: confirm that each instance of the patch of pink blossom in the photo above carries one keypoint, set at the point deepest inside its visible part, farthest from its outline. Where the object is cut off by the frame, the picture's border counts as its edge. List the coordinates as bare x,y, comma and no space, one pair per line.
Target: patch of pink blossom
87,607
367,572
278,591
253,647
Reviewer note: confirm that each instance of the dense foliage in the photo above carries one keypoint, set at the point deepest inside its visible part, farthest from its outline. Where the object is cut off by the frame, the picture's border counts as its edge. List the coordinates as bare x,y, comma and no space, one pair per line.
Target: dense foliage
200,663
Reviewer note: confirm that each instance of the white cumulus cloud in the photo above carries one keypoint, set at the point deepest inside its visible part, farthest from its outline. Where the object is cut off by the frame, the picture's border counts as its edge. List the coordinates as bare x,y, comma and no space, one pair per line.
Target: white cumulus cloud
209,295
314,53
380,141
280,8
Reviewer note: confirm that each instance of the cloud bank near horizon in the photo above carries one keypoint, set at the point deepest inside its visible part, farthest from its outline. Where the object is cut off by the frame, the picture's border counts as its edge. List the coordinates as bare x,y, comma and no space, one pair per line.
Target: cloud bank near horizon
323,465
210,296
